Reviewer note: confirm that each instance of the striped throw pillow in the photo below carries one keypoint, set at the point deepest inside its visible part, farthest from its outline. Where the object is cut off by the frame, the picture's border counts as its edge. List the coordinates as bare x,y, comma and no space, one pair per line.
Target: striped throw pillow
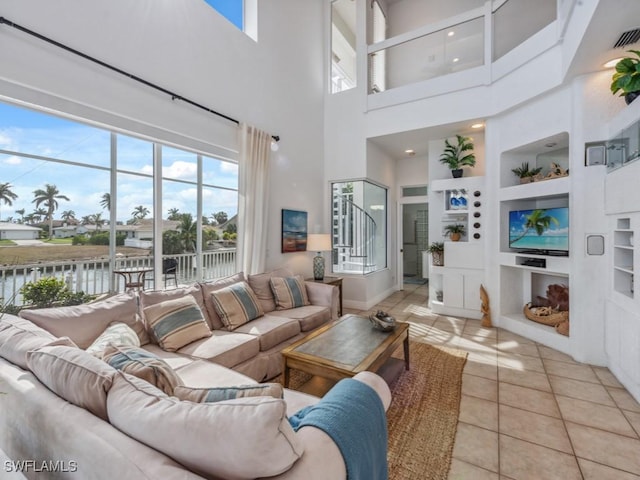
289,292
144,365
176,323
236,305
218,394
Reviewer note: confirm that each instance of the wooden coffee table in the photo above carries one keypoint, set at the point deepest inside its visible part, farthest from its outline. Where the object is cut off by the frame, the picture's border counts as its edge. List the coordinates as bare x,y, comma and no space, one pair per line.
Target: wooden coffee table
344,348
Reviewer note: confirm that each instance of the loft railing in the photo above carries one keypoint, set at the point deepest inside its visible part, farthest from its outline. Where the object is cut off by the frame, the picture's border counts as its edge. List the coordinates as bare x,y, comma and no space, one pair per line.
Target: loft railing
354,237
94,276
461,42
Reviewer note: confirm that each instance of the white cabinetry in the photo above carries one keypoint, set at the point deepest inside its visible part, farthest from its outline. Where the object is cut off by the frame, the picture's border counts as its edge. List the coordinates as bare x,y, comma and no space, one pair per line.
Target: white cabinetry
458,280
622,329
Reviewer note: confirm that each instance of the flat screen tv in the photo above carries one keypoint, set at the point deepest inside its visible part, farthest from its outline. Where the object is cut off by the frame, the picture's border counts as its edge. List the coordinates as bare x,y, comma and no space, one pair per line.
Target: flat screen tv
543,231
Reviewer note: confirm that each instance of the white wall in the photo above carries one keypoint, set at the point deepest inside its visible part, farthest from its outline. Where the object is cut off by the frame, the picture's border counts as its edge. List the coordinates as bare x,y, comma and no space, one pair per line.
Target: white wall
407,15
185,46
412,171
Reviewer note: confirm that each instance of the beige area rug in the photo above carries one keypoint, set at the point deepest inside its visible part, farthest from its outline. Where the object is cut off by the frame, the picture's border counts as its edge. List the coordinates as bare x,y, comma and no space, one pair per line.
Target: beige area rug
423,415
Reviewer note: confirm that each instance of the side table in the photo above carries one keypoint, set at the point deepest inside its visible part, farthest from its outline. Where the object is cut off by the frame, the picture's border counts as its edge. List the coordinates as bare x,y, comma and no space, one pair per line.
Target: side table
337,281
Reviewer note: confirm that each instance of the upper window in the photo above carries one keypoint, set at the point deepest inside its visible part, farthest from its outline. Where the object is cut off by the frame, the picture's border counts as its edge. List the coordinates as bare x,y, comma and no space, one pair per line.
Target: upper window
343,45
232,10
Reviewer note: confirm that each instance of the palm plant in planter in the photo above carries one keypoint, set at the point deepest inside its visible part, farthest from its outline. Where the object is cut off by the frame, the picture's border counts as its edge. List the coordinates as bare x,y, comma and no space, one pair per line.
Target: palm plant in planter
458,156
525,174
627,77
436,249
455,231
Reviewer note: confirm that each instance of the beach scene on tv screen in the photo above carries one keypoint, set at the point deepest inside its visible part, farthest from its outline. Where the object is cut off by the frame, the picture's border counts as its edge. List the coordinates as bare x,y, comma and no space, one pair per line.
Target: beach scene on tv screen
540,229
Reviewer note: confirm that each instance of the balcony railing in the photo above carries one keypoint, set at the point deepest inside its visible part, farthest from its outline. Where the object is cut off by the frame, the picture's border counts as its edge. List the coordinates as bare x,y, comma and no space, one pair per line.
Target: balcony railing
461,42
95,276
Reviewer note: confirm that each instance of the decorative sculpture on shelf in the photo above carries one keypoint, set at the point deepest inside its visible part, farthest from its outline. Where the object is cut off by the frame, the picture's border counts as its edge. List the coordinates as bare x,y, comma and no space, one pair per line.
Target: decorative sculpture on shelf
556,171
485,308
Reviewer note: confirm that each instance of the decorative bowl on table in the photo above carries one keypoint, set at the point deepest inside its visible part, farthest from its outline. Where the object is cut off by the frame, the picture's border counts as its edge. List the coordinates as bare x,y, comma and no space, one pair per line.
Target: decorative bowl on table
382,321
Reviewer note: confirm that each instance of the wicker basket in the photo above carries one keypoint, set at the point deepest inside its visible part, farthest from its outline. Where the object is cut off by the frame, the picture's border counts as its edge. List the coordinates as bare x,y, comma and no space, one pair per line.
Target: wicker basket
552,319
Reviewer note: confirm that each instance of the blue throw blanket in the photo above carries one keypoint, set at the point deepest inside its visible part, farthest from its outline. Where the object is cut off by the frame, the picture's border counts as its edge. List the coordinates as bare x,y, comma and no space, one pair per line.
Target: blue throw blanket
352,414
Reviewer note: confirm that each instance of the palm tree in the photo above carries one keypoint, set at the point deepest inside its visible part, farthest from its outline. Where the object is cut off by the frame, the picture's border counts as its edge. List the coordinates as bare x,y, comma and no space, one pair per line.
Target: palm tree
86,220
68,215
6,194
140,212
220,217
173,214
21,212
537,221
38,214
188,231
30,218
106,201
98,221
49,197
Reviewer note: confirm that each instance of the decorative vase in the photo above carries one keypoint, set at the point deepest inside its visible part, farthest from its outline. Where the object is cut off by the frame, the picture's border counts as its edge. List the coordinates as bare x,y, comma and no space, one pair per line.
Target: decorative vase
457,173
631,96
454,202
455,237
437,259
318,267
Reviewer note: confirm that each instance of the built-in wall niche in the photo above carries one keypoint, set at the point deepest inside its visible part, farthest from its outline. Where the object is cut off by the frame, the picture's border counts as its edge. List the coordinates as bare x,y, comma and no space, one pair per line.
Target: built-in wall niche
623,257
624,148
540,283
552,201
539,154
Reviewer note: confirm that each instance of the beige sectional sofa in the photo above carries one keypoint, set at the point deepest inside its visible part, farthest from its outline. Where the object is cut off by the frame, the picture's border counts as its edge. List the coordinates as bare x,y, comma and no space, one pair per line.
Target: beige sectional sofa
65,405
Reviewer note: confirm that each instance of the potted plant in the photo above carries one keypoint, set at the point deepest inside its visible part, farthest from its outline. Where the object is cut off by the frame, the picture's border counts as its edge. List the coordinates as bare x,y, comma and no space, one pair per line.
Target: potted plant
436,249
627,77
455,231
525,174
457,155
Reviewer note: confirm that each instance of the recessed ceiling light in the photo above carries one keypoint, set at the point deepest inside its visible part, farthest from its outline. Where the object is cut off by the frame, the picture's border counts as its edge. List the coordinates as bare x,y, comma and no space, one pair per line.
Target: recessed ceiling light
410,152
451,33
612,63
477,125
455,60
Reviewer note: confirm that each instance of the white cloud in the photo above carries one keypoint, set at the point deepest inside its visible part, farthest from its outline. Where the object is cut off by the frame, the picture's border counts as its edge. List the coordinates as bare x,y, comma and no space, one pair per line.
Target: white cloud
5,140
13,160
228,167
181,170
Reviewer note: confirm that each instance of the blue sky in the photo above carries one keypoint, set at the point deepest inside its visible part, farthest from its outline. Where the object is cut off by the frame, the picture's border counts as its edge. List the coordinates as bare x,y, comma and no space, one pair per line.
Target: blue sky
231,9
25,131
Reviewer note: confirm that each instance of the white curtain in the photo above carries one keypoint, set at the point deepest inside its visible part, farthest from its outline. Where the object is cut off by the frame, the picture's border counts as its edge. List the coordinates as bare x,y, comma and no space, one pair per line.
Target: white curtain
253,193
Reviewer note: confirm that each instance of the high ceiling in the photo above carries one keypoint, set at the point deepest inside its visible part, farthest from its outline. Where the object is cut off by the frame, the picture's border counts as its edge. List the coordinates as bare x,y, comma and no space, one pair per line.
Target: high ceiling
612,18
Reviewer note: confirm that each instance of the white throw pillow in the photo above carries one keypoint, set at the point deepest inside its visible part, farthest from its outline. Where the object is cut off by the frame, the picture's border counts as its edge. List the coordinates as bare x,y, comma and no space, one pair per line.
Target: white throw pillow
237,439
118,334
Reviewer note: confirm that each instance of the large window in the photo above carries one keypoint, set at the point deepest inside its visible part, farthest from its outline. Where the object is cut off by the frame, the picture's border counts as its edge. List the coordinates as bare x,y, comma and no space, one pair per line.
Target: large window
359,227
232,10
79,202
343,45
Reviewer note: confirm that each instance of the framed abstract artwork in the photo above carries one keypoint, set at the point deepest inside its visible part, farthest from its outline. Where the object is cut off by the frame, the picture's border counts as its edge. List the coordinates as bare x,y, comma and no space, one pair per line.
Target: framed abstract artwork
294,231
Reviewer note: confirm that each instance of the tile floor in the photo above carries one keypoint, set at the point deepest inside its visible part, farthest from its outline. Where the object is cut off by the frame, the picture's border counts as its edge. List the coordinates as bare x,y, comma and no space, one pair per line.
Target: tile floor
528,411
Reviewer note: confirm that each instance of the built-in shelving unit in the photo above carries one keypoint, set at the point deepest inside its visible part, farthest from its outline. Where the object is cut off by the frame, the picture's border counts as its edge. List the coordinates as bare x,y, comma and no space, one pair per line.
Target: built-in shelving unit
623,257
524,276
454,289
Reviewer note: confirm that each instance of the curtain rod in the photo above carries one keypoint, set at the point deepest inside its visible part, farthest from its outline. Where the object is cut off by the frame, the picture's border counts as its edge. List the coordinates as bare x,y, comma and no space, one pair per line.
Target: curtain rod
173,95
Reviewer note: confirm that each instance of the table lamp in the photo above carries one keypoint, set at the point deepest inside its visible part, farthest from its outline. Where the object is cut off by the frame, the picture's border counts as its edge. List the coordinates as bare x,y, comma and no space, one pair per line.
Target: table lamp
319,242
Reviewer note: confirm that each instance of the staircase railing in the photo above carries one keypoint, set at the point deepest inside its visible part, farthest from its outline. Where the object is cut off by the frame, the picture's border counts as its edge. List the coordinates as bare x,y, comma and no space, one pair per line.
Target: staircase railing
354,237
